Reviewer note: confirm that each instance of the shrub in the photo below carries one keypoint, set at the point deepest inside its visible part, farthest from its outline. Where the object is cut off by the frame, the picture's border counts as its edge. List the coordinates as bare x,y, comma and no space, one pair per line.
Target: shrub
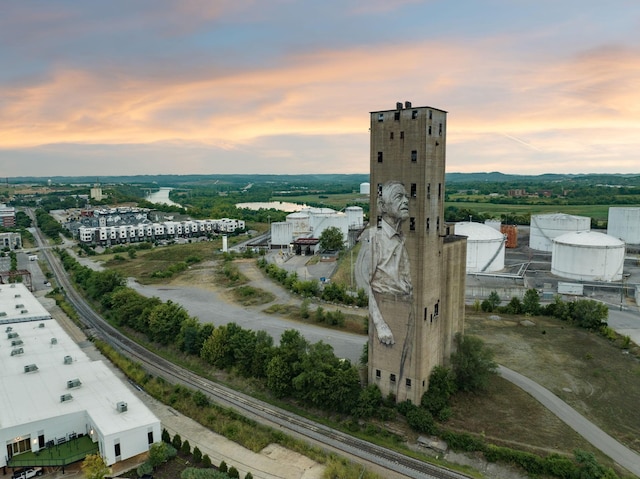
176,441
223,467
206,461
233,473
186,448
197,455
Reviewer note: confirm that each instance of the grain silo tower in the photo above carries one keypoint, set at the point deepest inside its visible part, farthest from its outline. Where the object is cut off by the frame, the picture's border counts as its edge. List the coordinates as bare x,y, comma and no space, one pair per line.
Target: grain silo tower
485,247
588,256
624,223
544,228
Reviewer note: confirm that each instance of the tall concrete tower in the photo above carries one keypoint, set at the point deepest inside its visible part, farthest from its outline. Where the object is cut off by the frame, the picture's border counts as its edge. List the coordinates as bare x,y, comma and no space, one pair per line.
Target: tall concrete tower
415,269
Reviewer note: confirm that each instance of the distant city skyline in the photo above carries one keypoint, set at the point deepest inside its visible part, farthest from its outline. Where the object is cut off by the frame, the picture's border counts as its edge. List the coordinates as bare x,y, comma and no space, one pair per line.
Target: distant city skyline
286,87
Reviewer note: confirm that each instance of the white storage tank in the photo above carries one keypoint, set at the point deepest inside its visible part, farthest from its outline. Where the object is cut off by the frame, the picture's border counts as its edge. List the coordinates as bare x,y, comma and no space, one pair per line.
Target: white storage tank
544,228
495,224
300,222
485,247
281,234
588,256
355,216
624,223
365,188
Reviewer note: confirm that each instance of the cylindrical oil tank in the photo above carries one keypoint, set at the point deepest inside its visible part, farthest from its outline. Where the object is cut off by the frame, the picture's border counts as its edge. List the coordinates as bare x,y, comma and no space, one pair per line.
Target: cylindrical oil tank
495,224
511,233
365,188
300,222
355,216
485,247
281,234
624,223
588,256
544,228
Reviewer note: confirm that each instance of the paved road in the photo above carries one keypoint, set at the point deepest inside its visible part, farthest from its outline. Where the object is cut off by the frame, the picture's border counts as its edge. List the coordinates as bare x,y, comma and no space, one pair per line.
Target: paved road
624,456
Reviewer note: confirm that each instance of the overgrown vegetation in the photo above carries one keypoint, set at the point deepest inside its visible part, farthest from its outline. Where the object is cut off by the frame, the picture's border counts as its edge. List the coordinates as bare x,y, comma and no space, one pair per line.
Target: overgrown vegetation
332,292
584,313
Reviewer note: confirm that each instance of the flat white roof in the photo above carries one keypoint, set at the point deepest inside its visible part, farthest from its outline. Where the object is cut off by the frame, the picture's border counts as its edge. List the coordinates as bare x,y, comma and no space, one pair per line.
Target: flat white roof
18,304
27,397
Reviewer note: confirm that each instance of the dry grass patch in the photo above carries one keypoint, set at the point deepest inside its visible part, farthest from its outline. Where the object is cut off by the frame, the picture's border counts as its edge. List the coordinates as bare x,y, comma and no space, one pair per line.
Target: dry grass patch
591,373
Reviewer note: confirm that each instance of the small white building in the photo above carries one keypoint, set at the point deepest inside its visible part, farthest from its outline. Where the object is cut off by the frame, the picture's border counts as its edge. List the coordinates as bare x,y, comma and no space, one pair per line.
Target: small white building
51,392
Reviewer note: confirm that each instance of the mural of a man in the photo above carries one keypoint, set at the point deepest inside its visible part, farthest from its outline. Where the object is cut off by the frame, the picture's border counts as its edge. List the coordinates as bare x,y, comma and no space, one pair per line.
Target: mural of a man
390,276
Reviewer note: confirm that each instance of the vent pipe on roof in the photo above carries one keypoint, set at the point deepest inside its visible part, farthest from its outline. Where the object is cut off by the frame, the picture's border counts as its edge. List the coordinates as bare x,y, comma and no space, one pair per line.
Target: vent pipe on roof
407,104
398,105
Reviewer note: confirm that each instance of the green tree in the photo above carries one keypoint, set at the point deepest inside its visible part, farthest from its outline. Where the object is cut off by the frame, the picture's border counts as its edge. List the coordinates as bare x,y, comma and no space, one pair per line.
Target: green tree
331,239
197,455
165,321
531,302
491,303
233,473
442,384
472,363
94,467
589,314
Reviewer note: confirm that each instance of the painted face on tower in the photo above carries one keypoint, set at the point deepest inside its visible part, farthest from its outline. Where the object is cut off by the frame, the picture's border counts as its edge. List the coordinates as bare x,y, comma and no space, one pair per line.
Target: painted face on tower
395,202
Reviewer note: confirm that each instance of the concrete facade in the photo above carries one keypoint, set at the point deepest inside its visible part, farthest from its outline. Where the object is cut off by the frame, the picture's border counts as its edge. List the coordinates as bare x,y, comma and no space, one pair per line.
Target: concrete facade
409,145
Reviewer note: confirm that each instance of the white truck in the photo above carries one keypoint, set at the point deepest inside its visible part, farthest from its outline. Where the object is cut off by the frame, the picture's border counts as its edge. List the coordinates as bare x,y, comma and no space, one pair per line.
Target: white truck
28,473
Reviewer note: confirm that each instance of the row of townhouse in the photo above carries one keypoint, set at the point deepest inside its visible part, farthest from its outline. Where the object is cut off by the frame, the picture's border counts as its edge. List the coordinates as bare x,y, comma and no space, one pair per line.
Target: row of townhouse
157,231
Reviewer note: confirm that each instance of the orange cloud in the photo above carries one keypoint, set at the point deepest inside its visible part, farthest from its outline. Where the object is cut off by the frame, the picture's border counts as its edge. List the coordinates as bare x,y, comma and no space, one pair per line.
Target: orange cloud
585,106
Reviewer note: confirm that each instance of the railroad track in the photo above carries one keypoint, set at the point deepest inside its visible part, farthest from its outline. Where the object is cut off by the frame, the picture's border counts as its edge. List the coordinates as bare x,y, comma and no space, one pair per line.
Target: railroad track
287,421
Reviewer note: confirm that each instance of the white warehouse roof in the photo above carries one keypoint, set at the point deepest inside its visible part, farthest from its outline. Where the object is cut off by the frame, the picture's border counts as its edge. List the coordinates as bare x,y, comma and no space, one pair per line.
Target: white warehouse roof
27,397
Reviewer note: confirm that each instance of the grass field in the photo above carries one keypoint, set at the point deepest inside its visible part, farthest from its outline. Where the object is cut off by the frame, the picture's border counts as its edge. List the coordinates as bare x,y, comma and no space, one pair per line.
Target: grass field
593,374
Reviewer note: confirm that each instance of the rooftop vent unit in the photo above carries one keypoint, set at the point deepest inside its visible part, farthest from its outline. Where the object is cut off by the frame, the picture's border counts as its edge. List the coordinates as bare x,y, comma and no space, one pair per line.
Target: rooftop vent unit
121,406
54,341
41,325
8,329
15,352
24,311
16,295
12,335
18,306
68,360
29,368
66,397
73,383
3,313
17,342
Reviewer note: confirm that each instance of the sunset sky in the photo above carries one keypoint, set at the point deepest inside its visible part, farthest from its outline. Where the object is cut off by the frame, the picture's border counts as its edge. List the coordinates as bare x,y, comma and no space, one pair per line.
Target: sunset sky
246,86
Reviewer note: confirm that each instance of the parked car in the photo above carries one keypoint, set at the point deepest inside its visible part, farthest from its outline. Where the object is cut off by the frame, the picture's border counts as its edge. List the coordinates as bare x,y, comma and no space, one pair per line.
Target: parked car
28,473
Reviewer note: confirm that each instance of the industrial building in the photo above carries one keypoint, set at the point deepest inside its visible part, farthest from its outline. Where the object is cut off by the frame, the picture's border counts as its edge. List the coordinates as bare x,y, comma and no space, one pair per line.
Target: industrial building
485,246
301,227
544,228
52,393
408,148
624,223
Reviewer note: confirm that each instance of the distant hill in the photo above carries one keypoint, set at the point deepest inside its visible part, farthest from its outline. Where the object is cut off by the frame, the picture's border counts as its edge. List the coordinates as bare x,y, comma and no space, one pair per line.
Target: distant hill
314,179
497,177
